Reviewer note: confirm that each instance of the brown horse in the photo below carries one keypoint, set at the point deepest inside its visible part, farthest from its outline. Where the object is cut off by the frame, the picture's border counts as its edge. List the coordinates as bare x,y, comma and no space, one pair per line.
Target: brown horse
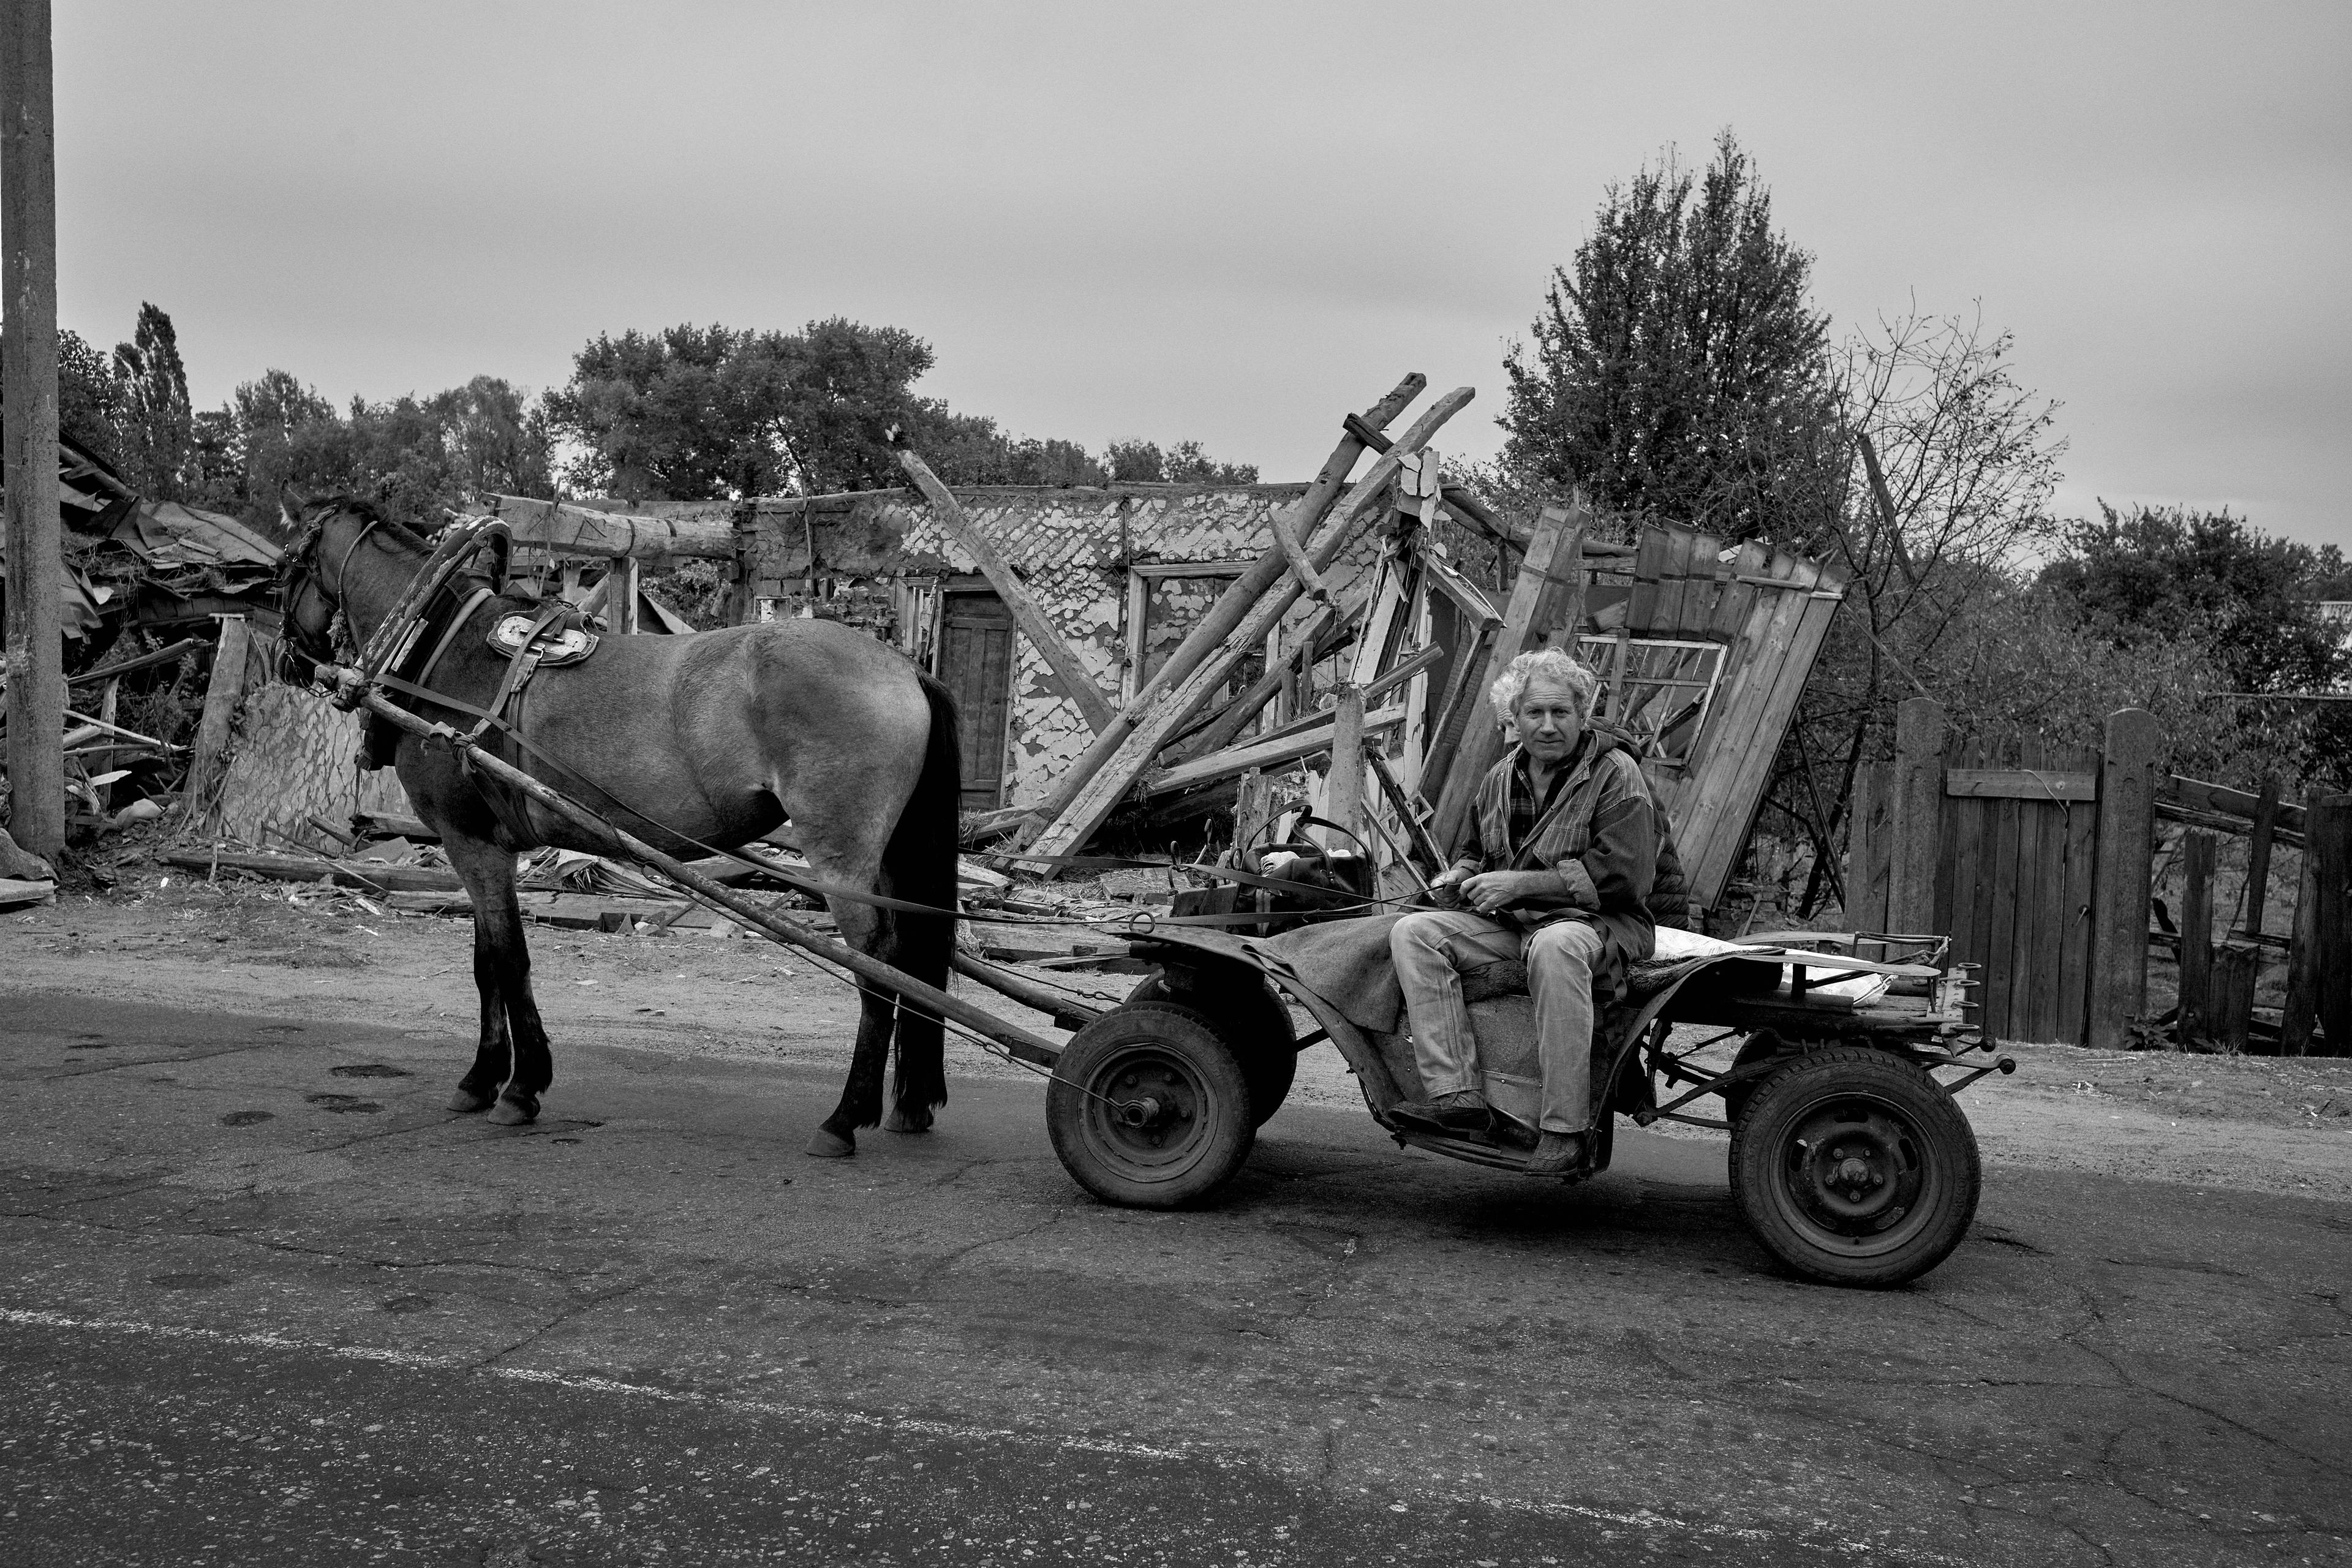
711,739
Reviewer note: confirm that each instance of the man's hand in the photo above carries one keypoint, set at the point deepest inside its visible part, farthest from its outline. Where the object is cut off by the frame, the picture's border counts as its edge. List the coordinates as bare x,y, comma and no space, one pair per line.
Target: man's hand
1446,891
1491,891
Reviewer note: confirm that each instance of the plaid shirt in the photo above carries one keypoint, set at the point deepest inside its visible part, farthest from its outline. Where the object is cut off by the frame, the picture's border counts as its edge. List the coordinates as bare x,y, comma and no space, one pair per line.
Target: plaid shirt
1526,807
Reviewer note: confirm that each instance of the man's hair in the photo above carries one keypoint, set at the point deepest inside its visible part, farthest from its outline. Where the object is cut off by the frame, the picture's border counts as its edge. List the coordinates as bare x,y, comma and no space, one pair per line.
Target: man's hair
1552,663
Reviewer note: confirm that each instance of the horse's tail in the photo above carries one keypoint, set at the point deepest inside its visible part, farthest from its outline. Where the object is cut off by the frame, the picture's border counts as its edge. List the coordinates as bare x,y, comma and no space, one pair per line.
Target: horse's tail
919,863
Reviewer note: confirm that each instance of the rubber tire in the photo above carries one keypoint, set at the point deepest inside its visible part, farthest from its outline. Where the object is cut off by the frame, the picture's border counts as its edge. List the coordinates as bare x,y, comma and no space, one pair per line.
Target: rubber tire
1937,1142
1124,1166
1255,1025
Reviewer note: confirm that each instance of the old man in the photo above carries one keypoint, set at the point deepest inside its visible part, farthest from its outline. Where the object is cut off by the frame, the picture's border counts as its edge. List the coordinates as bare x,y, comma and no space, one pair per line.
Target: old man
1554,868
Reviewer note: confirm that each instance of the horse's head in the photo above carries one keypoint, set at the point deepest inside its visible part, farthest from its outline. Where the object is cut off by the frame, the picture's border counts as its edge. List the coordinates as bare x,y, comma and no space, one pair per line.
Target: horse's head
306,607
326,570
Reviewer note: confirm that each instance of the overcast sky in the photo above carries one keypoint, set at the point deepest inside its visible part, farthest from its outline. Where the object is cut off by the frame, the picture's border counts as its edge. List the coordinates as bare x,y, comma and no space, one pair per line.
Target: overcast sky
1227,223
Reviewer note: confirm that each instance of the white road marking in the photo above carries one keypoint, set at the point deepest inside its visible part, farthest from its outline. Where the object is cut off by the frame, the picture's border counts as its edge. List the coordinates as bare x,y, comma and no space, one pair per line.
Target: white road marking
586,1383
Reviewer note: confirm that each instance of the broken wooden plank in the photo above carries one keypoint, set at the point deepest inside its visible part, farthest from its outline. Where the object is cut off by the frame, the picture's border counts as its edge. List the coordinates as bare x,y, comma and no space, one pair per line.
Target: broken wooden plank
1093,802
1260,754
367,875
1216,629
2194,1022
2197,795
1027,613
205,769
2019,784
2258,854
1343,784
1539,600
2119,889
1416,830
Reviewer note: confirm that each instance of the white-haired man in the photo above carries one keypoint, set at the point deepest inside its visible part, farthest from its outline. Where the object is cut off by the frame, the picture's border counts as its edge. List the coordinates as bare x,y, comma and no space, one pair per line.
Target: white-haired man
1555,867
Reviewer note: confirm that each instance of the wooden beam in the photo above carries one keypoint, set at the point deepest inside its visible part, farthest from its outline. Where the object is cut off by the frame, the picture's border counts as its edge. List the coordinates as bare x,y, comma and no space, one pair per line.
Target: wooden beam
221,694
2119,890
1260,754
563,529
144,661
34,637
1548,590
2199,796
2195,1022
1416,831
1027,613
2301,1009
2258,854
1343,784
1216,629
1103,789
2018,783
2330,835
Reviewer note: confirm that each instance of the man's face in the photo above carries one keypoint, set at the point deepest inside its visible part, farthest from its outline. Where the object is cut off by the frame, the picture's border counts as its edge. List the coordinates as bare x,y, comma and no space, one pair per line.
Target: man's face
1549,720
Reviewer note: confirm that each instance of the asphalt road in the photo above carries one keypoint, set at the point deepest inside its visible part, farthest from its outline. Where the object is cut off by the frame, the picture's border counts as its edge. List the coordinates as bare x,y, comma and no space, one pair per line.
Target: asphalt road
263,1301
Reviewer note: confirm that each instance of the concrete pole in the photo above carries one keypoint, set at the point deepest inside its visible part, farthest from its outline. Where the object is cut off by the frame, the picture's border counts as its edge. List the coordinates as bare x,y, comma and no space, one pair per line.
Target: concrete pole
28,408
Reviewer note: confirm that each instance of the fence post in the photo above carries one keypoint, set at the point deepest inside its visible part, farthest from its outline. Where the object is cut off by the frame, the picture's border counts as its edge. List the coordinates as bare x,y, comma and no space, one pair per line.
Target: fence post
2120,892
2195,1021
1916,819
2303,947
2327,838
2229,997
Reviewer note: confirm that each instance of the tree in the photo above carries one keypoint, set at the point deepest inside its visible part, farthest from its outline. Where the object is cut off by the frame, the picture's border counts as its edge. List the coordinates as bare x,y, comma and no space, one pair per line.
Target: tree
2145,579
1678,372
154,421
709,413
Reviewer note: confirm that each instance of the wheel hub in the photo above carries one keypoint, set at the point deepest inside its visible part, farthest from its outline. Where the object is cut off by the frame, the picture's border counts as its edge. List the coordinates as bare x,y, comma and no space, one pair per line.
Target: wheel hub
1853,1170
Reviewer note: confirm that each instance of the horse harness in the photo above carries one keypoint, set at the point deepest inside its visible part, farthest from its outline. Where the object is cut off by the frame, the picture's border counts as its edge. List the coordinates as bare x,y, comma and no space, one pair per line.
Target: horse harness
431,615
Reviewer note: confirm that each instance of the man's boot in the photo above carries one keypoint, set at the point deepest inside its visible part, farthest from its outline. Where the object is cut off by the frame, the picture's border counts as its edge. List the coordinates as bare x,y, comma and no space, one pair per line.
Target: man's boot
1464,1110
1557,1154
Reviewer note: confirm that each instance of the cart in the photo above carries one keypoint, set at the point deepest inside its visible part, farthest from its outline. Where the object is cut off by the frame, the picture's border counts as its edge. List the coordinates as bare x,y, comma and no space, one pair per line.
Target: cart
1850,1159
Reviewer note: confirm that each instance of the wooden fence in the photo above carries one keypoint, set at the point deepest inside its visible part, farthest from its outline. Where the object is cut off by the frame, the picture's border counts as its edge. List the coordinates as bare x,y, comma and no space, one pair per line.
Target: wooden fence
2037,861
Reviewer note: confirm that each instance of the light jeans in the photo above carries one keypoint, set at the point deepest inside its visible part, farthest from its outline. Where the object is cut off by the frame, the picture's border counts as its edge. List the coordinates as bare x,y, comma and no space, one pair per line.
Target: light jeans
1430,948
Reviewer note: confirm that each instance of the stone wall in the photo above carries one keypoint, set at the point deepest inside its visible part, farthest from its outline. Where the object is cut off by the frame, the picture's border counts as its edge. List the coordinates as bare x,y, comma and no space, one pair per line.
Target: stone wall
293,755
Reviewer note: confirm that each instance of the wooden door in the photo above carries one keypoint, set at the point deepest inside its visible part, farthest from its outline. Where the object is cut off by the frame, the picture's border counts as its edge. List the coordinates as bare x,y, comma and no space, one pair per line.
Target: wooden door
2020,834
975,662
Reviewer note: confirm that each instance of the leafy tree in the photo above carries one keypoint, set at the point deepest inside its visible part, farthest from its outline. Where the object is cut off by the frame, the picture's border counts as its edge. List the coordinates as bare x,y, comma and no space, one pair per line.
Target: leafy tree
89,396
154,421
1184,464
2152,573
1678,372
705,413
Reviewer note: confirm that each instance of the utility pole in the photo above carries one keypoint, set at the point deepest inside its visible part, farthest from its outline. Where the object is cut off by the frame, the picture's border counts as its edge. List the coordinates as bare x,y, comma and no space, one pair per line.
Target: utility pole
29,413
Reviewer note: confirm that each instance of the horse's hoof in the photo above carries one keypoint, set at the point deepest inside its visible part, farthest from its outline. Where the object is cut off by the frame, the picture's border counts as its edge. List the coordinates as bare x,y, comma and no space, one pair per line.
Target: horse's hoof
897,1121
511,1111
468,1102
826,1146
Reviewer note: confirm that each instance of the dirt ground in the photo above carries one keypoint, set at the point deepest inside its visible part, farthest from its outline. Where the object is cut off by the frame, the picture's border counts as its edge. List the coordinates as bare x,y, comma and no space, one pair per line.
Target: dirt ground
2250,1123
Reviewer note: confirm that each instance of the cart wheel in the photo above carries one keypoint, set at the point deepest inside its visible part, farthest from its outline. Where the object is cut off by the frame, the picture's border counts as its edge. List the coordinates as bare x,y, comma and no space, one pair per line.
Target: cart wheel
1255,1025
1855,1167
1149,1109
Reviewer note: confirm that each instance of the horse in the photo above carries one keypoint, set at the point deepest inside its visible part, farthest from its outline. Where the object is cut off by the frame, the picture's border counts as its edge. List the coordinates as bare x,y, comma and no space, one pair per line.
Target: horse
692,743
